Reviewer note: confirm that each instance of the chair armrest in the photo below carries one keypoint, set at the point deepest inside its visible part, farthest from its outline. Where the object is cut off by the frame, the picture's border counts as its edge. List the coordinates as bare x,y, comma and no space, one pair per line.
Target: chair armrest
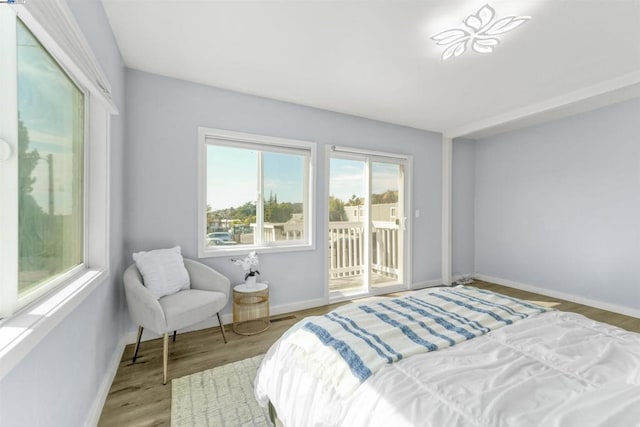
144,308
206,278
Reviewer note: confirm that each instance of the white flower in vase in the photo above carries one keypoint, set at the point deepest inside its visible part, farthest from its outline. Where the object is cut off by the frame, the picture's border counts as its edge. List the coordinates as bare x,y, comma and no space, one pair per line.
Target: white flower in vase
250,266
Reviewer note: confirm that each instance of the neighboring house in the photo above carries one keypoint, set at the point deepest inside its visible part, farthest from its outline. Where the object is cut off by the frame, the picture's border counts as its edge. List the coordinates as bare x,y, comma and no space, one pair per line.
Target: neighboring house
387,212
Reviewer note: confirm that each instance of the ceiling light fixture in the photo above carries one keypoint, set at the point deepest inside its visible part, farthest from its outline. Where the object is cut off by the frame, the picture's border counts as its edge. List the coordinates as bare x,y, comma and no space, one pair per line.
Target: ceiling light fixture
480,32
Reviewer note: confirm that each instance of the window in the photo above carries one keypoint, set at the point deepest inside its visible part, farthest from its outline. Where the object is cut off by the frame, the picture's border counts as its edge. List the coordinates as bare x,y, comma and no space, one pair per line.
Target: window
50,167
54,179
256,192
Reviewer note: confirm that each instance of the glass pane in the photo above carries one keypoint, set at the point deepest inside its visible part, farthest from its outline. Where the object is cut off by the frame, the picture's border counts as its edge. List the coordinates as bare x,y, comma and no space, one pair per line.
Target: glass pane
50,165
283,196
347,225
386,182
232,186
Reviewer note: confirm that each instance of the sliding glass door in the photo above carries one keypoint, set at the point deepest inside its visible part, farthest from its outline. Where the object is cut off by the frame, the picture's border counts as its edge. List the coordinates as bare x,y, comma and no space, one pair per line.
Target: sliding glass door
367,224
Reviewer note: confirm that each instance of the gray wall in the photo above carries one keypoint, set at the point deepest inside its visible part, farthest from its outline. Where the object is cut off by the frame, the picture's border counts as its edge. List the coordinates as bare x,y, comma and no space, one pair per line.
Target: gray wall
163,116
57,382
558,205
462,207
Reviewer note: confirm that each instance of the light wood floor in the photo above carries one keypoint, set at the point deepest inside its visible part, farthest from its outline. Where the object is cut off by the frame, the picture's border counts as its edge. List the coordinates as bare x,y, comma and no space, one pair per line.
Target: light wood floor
138,398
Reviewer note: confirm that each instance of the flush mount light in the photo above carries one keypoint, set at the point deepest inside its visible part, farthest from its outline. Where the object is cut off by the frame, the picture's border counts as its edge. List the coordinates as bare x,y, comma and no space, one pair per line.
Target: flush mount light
481,31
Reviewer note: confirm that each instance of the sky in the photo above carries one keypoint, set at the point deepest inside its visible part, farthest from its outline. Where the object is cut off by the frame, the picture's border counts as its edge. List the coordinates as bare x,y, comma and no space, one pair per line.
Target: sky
47,102
348,178
232,177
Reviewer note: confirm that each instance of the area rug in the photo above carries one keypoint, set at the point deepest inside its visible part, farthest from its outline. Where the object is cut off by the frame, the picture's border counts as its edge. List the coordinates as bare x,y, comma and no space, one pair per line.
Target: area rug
221,397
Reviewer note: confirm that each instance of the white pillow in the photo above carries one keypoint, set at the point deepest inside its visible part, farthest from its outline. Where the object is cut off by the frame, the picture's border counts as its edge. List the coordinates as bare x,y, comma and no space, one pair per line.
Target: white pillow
163,271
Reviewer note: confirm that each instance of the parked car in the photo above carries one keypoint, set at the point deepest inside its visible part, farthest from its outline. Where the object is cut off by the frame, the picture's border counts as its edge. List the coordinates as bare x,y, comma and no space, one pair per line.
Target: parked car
220,238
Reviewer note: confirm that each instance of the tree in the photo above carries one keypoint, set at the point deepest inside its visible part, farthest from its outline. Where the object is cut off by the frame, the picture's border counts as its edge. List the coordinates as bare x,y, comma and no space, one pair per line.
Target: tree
355,201
32,247
336,209
389,196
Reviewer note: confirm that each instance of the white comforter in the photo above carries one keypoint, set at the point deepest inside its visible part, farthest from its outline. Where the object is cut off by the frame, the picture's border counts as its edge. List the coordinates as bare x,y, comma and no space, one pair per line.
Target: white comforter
553,369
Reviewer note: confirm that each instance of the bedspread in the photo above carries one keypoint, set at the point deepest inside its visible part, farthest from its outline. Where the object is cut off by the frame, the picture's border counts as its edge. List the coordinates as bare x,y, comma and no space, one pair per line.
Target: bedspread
348,345
552,369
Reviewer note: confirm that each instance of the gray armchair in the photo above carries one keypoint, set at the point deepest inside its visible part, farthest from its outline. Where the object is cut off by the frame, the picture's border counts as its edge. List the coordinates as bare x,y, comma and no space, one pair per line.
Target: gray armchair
209,293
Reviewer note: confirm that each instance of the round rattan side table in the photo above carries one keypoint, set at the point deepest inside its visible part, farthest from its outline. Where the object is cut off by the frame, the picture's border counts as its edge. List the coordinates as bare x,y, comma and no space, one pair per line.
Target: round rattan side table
250,308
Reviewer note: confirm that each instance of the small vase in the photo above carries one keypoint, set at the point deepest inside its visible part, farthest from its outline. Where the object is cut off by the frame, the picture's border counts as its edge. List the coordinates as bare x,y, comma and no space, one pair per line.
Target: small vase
250,281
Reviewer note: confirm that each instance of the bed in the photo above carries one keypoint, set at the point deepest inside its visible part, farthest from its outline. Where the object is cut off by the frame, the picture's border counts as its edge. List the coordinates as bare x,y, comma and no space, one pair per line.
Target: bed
452,357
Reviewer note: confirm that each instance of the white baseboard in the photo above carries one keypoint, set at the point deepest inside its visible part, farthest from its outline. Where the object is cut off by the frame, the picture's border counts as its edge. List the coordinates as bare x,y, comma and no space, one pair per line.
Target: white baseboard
627,311
103,391
297,306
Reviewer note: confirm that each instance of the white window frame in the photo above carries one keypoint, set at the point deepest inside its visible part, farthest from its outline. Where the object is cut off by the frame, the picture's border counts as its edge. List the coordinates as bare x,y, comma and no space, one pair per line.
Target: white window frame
260,143
29,319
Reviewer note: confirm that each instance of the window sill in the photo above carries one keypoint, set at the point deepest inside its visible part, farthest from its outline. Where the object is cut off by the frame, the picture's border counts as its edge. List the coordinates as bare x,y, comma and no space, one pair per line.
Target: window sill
221,251
21,332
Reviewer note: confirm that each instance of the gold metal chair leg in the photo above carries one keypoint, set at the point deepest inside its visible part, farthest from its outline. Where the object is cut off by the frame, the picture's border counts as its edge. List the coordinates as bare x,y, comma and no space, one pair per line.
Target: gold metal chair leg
135,353
224,337
165,357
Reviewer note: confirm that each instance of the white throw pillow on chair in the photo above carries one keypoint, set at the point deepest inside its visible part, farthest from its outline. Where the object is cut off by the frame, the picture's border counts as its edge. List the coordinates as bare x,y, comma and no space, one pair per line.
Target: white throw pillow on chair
163,271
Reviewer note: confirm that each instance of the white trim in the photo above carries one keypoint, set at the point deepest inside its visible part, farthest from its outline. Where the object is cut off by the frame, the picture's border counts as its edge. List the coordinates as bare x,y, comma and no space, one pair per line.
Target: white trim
426,284
21,332
595,96
202,189
245,249
98,185
296,306
627,311
447,172
54,25
340,296
325,223
93,417
369,153
9,166
407,214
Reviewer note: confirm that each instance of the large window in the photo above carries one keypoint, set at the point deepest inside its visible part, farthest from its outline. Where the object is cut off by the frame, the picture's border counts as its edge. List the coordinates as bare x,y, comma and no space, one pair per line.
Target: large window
50,166
256,192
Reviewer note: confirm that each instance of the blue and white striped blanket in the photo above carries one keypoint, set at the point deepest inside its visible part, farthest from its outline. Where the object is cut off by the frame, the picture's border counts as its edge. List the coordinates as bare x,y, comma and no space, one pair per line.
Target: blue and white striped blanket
349,344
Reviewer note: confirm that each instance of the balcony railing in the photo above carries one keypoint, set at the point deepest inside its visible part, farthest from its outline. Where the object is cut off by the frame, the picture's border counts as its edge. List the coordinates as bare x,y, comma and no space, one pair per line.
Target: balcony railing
347,250
347,247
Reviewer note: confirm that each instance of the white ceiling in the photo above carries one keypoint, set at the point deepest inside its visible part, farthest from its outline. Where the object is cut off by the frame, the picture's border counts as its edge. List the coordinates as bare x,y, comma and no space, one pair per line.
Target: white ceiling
375,59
